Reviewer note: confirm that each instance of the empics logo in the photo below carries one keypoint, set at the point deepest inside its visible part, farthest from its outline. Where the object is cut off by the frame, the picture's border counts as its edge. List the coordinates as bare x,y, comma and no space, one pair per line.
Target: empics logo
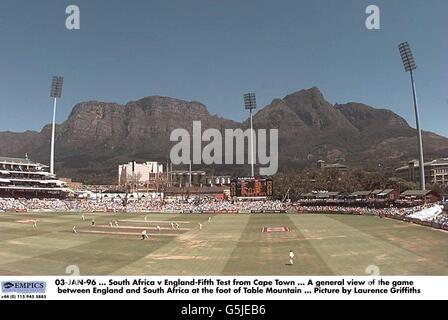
8,285
24,287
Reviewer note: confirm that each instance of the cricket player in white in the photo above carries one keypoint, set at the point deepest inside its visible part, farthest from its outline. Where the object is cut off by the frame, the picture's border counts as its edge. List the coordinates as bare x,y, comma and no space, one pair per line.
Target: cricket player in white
83,218
209,219
110,223
35,224
291,257
200,226
158,228
144,235
74,229
116,224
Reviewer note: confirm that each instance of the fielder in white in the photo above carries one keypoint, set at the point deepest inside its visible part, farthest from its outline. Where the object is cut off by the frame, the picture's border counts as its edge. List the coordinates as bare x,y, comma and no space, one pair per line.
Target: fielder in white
144,235
291,257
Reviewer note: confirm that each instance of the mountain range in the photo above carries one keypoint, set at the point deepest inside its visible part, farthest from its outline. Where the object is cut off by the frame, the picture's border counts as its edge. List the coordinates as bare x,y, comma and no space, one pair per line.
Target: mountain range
97,136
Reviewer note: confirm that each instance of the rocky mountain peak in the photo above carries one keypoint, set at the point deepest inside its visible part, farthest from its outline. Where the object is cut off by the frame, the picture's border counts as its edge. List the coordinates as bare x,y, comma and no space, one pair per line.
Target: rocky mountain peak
97,136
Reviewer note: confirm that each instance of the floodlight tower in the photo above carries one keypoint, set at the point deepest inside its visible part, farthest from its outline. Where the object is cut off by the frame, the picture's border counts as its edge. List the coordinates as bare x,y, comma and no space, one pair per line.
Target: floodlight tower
189,174
56,91
410,66
250,103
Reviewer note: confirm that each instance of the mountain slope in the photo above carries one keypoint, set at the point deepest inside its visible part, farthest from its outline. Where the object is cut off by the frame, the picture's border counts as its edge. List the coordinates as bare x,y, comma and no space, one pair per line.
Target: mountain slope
97,136
310,129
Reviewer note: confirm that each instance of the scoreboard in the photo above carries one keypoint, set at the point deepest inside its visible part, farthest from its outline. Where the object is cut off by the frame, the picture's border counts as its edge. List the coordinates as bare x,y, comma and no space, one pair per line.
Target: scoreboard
251,187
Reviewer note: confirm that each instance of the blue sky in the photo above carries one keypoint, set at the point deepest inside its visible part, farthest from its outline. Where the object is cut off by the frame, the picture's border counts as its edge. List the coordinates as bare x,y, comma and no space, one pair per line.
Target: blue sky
215,50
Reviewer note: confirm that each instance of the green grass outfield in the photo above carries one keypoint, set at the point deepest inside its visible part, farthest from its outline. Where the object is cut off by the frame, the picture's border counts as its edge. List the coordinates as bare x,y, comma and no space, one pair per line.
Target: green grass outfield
228,245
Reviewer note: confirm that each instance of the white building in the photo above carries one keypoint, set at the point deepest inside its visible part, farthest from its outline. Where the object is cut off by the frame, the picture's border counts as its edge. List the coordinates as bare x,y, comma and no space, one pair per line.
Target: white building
138,173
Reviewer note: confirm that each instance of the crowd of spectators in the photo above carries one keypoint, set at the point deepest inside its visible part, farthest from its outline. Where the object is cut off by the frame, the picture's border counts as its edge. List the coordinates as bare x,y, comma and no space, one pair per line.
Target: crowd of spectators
142,205
209,205
442,220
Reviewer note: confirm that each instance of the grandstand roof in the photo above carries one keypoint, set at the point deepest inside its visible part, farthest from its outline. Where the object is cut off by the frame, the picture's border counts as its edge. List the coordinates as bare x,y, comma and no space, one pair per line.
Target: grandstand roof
330,194
19,161
385,192
327,194
195,190
416,192
321,194
309,194
361,193
416,163
335,166
186,172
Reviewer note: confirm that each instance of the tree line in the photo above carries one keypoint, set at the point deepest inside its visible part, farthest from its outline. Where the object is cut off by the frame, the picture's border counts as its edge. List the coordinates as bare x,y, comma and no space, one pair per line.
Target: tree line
296,182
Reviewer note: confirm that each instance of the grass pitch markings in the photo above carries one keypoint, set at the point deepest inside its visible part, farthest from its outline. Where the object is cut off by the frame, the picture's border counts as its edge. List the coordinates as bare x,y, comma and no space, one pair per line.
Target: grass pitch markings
92,254
208,251
13,251
352,255
134,234
274,229
167,221
429,245
35,266
197,252
349,254
140,228
268,253
103,256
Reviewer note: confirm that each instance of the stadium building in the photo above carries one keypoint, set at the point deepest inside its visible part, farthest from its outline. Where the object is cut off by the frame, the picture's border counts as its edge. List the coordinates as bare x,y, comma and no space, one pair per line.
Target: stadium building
139,174
199,178
331,166
419,196
182,178
436,171
23,178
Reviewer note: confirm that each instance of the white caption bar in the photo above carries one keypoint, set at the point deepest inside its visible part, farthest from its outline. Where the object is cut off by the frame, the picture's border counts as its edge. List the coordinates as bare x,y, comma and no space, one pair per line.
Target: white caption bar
224,288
